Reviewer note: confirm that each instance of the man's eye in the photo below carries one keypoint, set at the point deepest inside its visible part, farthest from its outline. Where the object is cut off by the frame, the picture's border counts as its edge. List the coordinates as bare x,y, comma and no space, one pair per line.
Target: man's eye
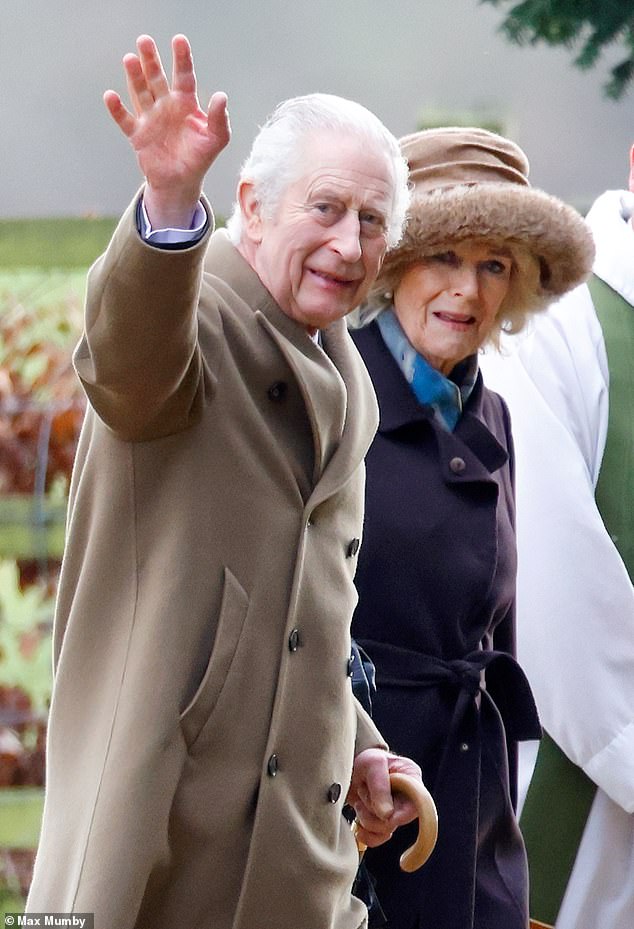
372,224
371,219
326,209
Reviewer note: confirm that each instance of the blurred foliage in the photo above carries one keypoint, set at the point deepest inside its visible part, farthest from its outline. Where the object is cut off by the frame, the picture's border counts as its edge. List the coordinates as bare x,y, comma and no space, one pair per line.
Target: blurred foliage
591,24
25,692
41,409
26,617
41,401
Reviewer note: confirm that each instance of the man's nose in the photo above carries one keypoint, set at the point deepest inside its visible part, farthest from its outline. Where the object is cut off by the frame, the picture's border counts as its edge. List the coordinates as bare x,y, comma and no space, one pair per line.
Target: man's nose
347,238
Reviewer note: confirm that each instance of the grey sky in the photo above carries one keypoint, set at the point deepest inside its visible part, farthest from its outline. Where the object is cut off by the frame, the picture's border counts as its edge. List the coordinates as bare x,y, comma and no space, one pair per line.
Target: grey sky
62,155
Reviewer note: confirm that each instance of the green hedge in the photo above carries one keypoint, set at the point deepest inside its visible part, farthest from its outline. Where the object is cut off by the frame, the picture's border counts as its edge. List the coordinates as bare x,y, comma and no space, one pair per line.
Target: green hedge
53,243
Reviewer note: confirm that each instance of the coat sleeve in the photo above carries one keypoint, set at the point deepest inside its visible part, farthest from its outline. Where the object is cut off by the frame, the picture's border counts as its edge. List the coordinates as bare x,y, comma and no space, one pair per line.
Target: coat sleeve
368,736
575,599
138,359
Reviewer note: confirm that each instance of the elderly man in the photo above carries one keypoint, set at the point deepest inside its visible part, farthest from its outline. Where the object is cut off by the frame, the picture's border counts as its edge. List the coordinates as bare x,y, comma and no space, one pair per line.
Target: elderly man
570,388
203,733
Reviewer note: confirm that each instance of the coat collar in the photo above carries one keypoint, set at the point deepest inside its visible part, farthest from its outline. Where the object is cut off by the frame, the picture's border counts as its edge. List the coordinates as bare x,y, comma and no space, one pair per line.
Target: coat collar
336,388
472,439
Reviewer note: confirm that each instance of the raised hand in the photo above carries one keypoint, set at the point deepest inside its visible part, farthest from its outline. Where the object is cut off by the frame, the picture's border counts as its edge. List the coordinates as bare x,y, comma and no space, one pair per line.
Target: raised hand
175,141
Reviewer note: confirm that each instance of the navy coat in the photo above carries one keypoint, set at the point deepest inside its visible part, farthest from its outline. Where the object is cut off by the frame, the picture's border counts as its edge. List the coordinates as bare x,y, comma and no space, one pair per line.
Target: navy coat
436,582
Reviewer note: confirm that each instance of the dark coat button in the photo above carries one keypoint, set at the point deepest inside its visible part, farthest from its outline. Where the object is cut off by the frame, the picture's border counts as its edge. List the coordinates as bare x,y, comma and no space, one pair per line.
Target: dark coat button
350,665
277,391
272,765
353,548
457,465
293,640
334,792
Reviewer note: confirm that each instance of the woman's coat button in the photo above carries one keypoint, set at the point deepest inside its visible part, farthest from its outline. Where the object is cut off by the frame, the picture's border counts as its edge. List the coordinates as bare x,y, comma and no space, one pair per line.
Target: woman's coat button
272,765
334,792
293,640
277,391
457,465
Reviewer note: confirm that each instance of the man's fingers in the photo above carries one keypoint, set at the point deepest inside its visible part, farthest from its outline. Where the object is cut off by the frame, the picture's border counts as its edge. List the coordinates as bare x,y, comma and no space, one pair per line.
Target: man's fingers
141,96
380,797
152,66
370,838
124,120
183,76
218,118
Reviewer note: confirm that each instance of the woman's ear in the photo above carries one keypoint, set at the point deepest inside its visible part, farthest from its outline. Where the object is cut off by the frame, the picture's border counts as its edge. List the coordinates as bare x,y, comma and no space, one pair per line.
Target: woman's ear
251,211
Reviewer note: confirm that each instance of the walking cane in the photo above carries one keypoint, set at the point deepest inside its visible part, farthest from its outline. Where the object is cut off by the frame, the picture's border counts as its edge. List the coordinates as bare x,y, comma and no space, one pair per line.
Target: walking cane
415,856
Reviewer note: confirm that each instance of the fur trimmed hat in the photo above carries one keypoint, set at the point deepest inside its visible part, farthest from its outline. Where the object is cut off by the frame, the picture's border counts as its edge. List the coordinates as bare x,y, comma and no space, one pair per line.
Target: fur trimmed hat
471,183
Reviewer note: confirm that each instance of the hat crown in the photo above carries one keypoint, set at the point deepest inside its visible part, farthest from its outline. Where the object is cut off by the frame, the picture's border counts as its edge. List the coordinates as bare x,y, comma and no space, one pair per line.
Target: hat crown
440,158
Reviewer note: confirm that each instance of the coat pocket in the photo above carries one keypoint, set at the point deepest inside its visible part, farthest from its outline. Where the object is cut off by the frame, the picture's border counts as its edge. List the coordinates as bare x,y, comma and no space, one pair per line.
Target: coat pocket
233,611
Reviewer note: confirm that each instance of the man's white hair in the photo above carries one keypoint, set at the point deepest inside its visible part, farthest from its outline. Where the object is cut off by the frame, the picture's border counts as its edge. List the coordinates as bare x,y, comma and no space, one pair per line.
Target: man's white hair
275,158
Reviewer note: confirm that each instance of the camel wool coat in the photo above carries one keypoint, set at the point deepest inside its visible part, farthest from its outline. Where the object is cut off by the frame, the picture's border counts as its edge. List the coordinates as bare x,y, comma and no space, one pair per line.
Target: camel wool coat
203,729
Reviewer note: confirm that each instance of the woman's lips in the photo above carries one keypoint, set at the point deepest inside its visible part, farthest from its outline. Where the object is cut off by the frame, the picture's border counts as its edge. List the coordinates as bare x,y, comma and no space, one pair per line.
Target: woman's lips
455,320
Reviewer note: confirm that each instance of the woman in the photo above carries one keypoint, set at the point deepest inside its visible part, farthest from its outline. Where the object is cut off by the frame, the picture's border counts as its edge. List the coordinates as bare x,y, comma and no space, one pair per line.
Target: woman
436,575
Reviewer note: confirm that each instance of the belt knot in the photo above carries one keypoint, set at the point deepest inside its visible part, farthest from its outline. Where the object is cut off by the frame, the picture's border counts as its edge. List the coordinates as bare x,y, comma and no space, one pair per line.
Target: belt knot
467,674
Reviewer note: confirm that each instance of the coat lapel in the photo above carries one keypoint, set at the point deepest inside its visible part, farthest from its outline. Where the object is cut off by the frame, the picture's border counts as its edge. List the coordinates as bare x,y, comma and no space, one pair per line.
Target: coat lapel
361,414
336,388
322,388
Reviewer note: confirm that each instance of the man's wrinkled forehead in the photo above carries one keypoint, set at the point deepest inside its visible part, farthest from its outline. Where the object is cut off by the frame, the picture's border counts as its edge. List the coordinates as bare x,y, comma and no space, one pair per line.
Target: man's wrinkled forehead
324,156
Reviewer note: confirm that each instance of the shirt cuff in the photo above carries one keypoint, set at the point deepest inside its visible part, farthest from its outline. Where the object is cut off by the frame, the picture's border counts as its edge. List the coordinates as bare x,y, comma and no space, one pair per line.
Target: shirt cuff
173,236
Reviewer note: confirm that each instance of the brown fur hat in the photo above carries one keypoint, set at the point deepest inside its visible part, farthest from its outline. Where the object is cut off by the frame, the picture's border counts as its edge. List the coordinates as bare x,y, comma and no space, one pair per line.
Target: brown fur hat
470,183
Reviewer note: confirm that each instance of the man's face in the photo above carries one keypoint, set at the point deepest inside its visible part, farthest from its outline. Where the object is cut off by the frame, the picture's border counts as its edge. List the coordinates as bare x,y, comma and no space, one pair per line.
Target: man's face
321,251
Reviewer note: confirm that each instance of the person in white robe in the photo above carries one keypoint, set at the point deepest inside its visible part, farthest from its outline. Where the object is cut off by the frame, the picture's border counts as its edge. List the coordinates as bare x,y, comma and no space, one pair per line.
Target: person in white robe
575,595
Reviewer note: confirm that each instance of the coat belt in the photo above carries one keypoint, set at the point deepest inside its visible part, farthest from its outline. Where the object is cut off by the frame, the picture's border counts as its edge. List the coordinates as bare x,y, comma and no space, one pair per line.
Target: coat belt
496,674
493,703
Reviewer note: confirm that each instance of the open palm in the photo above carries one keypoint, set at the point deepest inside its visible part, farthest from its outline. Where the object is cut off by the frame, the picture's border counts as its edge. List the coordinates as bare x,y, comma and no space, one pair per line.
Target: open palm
175,141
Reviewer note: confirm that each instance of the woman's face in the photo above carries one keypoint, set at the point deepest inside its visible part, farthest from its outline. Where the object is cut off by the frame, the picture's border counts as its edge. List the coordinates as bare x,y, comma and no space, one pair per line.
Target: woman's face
447,304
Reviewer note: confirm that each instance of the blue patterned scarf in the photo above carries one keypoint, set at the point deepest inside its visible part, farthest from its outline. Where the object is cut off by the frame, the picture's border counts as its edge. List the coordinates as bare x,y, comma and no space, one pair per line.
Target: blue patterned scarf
431,388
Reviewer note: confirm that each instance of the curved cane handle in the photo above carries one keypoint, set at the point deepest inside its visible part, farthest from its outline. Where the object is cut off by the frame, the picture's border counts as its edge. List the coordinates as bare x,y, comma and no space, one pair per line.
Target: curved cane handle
416,856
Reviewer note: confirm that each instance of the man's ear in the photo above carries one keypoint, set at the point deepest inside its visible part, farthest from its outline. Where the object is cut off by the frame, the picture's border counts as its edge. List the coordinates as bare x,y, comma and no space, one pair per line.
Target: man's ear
632,169
250,209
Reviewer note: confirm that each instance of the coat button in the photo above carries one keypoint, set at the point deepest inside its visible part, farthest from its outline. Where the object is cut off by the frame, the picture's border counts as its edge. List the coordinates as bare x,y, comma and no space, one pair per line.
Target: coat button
350,665
272,765
334,792
353,548
277,391
457,465
293,640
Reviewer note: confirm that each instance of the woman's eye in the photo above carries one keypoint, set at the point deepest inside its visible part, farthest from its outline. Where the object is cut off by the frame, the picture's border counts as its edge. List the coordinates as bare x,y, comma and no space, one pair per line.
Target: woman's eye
497,267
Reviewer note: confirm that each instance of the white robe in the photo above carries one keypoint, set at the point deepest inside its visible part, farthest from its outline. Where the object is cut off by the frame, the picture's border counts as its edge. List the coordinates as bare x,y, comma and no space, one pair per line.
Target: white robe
575,598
